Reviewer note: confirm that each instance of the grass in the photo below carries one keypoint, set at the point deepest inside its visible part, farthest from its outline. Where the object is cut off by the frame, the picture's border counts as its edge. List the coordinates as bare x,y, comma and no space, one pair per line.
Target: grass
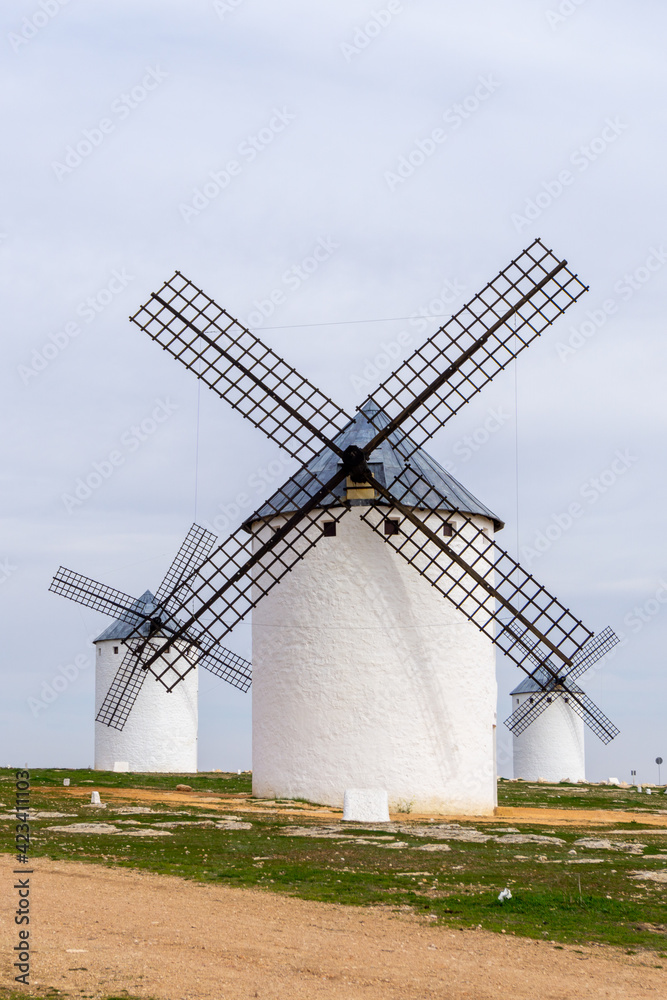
214,781
566,796
552,898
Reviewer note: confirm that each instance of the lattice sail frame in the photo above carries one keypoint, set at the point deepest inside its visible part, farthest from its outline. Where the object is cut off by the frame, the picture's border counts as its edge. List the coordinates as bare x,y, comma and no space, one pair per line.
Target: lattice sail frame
520,594
487,585
197,647
474,345
249,564
98,596
294,413
193,550
560,686
242,370
531,292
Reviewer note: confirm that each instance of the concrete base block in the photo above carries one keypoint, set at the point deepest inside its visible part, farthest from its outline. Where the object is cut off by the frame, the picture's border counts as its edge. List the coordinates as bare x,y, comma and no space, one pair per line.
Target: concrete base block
366,805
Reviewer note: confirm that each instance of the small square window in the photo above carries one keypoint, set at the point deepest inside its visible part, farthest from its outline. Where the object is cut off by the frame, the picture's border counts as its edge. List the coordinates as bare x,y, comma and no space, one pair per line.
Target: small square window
329,529
390,527
115,649
447,529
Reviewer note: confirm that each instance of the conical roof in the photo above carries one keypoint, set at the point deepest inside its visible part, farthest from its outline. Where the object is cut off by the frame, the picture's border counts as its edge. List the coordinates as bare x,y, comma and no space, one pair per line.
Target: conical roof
536,684
121,629
385,463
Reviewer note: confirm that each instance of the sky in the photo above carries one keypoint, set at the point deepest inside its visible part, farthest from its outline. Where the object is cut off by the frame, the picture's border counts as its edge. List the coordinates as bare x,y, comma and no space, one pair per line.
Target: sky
420,146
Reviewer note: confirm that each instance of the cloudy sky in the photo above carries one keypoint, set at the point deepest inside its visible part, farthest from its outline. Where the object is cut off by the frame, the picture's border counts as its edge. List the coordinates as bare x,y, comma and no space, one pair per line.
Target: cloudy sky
420,145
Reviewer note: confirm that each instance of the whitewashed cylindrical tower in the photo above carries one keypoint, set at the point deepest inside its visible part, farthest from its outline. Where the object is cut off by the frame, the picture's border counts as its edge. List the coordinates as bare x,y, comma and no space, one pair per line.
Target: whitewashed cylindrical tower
552,746
364,676
160,733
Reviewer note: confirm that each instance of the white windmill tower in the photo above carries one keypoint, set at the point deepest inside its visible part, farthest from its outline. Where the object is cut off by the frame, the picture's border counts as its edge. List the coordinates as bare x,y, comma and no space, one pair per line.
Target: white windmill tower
380,682
552,747
149,727
160,733
364,674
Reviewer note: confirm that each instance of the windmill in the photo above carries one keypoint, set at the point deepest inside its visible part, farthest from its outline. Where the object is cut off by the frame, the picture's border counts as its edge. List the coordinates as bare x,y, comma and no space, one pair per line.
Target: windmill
411,710
552,746
548,702
162,731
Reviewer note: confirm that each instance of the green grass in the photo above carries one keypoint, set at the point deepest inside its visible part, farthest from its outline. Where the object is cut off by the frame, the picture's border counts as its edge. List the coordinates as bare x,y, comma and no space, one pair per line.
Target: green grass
553,898
214,781
566,796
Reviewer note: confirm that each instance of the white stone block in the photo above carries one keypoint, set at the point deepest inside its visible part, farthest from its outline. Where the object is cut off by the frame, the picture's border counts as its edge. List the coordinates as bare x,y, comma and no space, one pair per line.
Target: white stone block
613,781
120,765
66,781
366,805
95,799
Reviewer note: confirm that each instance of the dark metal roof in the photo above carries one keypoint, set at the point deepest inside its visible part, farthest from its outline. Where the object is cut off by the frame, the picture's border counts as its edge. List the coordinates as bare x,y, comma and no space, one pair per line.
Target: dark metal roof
386,462
530,686
121,629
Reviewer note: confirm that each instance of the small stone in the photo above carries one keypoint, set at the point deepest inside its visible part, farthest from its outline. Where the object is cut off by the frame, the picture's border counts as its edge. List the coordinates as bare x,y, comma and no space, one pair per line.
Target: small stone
528,838
650,876
146,832
84,828
183,788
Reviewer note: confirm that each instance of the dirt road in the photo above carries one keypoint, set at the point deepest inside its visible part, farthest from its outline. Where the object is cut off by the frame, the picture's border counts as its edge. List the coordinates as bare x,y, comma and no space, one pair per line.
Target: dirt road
98,931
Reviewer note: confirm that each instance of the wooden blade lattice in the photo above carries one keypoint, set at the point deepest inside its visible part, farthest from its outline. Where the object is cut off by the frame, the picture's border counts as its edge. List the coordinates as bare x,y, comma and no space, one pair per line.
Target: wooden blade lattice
124,690
578,701
562,683
90,593
197,647
235,363
510,312
196,546
245,567
478,577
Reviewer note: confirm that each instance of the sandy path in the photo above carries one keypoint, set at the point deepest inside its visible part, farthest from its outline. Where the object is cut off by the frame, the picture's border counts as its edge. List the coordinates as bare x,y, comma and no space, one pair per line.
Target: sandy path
215,801
100,930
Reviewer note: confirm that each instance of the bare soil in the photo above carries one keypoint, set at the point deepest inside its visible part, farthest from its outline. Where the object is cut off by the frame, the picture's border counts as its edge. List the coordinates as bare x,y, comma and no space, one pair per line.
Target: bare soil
216,801
99,931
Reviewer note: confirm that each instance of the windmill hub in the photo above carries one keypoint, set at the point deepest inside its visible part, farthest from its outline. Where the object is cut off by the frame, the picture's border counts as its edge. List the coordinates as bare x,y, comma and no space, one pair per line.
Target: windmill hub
154,624
354,464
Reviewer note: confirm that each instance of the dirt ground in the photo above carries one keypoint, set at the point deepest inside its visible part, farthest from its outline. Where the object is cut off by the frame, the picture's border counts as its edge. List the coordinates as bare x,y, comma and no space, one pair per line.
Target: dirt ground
215,801
98,931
